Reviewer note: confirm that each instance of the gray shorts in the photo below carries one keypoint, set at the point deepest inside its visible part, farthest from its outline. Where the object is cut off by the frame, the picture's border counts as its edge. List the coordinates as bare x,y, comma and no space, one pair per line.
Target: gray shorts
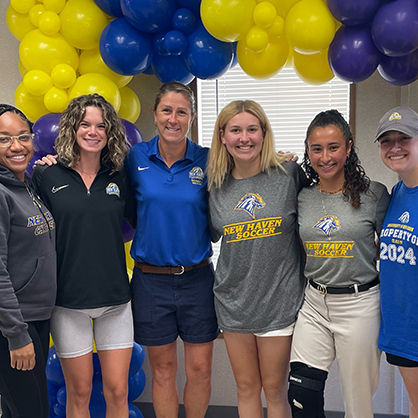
73,330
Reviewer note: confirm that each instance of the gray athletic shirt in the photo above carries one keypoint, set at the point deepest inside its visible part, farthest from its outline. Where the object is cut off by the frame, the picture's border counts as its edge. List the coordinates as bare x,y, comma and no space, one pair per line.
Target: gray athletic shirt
258,280
339,240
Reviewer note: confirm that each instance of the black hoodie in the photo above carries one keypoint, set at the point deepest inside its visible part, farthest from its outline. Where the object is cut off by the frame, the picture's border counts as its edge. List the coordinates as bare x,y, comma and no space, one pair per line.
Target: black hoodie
27,259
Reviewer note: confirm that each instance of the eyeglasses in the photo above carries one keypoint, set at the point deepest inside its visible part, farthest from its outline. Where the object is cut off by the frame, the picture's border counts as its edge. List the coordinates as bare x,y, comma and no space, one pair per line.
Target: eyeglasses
7,141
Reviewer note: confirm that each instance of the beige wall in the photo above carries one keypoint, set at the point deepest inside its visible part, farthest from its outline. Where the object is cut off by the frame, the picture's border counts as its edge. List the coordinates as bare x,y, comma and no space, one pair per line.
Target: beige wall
373,98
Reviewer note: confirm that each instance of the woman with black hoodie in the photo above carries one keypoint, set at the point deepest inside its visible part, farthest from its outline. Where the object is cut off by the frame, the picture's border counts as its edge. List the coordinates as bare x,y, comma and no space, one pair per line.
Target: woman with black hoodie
27,275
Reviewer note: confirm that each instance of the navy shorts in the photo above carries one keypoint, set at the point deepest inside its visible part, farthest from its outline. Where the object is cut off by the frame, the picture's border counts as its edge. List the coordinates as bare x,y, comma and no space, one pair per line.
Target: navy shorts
400,361
166,306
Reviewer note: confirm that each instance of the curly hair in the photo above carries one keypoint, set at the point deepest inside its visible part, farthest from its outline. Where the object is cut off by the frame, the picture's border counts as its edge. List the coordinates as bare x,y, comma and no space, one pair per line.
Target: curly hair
4,108
356,181
220,160
117,146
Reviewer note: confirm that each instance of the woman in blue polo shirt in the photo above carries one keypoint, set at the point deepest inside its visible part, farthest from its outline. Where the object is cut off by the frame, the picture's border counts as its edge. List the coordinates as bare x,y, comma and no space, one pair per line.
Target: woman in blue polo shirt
173,277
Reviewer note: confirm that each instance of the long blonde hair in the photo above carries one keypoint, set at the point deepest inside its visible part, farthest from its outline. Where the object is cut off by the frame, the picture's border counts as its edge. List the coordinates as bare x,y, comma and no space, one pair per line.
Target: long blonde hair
220,160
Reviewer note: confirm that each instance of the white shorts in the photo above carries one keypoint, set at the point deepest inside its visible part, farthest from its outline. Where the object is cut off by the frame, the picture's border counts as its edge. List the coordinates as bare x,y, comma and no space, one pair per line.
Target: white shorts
284,332
73,330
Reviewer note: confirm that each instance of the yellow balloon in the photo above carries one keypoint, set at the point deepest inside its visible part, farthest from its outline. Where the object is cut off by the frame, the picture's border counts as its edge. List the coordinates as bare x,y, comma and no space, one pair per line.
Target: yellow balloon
22,70
313,68
283,6
82,23
289,61
54,5
227,20
264,14
32,106
37,82
130,107
96,83
277,28
129,260
264,64
309,26
35,13
63,76
49,22
19,24
91,62
43,52
56,100
22,6
256,39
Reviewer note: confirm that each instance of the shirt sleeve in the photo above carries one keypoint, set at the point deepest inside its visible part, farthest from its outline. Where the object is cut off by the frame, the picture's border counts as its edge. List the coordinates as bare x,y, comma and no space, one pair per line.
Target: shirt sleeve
381,208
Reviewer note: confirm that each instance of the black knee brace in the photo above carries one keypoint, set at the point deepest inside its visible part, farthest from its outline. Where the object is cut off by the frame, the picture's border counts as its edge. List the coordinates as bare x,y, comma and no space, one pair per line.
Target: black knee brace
306,391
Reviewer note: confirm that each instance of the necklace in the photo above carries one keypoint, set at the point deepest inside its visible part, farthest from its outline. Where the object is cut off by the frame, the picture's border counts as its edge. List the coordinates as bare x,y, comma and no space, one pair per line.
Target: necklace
325,191
85,172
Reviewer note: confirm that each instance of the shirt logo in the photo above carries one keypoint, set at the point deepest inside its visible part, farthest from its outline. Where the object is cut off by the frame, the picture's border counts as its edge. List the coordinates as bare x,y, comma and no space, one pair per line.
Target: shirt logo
327,224
197,176
250,202
142,168
57,189
112,188
404,218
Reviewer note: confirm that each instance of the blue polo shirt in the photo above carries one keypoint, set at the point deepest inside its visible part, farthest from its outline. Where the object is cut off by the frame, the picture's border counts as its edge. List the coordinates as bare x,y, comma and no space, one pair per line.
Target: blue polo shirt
172,226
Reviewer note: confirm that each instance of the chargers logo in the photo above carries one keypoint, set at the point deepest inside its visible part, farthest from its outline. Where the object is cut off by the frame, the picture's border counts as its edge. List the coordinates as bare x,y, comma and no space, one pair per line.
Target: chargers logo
112,188
404,218
327,224
197,176
250,202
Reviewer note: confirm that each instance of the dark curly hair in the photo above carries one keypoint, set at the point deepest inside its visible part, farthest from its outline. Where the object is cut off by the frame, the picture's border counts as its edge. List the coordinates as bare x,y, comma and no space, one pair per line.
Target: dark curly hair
356,181
9,108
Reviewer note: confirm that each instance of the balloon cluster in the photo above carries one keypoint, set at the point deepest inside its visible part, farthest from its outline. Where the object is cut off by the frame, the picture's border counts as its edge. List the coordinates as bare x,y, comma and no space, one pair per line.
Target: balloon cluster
161,37
58,395
375,34
60,58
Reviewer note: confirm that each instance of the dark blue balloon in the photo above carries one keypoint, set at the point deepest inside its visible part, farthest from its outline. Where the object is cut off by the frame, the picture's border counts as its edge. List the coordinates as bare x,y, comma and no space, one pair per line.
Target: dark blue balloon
97,368
110,7
137,359
133,134
171,68
134,412
353,12
59,410
207,57
53,368
46,131
184,20
124,49
149,15
234,61
127,232
136,385
193,5
62,396
399,71
52,392
395,28
158,44
175,42
352,54
97,405
148,71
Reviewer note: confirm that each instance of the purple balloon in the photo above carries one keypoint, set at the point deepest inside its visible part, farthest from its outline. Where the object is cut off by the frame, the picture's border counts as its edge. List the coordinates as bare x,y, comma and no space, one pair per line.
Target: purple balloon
29,168
149,15
207,57
133,134
399,71
124,49
395,28
352,54
46,132
127,232
184,20
171,68
110,7
353,12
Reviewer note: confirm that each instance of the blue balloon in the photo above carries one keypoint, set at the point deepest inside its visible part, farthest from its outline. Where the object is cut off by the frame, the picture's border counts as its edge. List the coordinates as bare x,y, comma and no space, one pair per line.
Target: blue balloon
124,49
207,57
133,134
183,20
352,54
171,68
175,42
193,5
59,410
136,385
46,131
234,61
97,369
353,12
158,44
62,396
110,7
395,28
137,359
399,71
148,71
97,404
53,368
127,232
52,392
134,412
149,15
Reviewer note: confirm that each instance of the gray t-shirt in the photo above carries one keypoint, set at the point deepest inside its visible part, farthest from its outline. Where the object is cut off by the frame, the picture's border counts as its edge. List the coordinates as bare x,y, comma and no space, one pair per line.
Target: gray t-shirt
258,280
338,239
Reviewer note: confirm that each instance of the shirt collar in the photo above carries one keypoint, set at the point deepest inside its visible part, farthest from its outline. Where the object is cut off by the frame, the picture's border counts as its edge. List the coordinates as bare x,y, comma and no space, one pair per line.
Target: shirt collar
153,149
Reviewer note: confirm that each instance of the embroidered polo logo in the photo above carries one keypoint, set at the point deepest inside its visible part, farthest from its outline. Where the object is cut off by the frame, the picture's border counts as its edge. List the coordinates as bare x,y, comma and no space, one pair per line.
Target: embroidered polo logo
197,176
394,116
112,188
250,202
404,218
327,224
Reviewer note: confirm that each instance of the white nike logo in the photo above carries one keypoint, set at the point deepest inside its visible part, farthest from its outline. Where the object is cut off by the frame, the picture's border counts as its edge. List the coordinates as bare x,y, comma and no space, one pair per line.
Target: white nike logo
142,168
57,189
